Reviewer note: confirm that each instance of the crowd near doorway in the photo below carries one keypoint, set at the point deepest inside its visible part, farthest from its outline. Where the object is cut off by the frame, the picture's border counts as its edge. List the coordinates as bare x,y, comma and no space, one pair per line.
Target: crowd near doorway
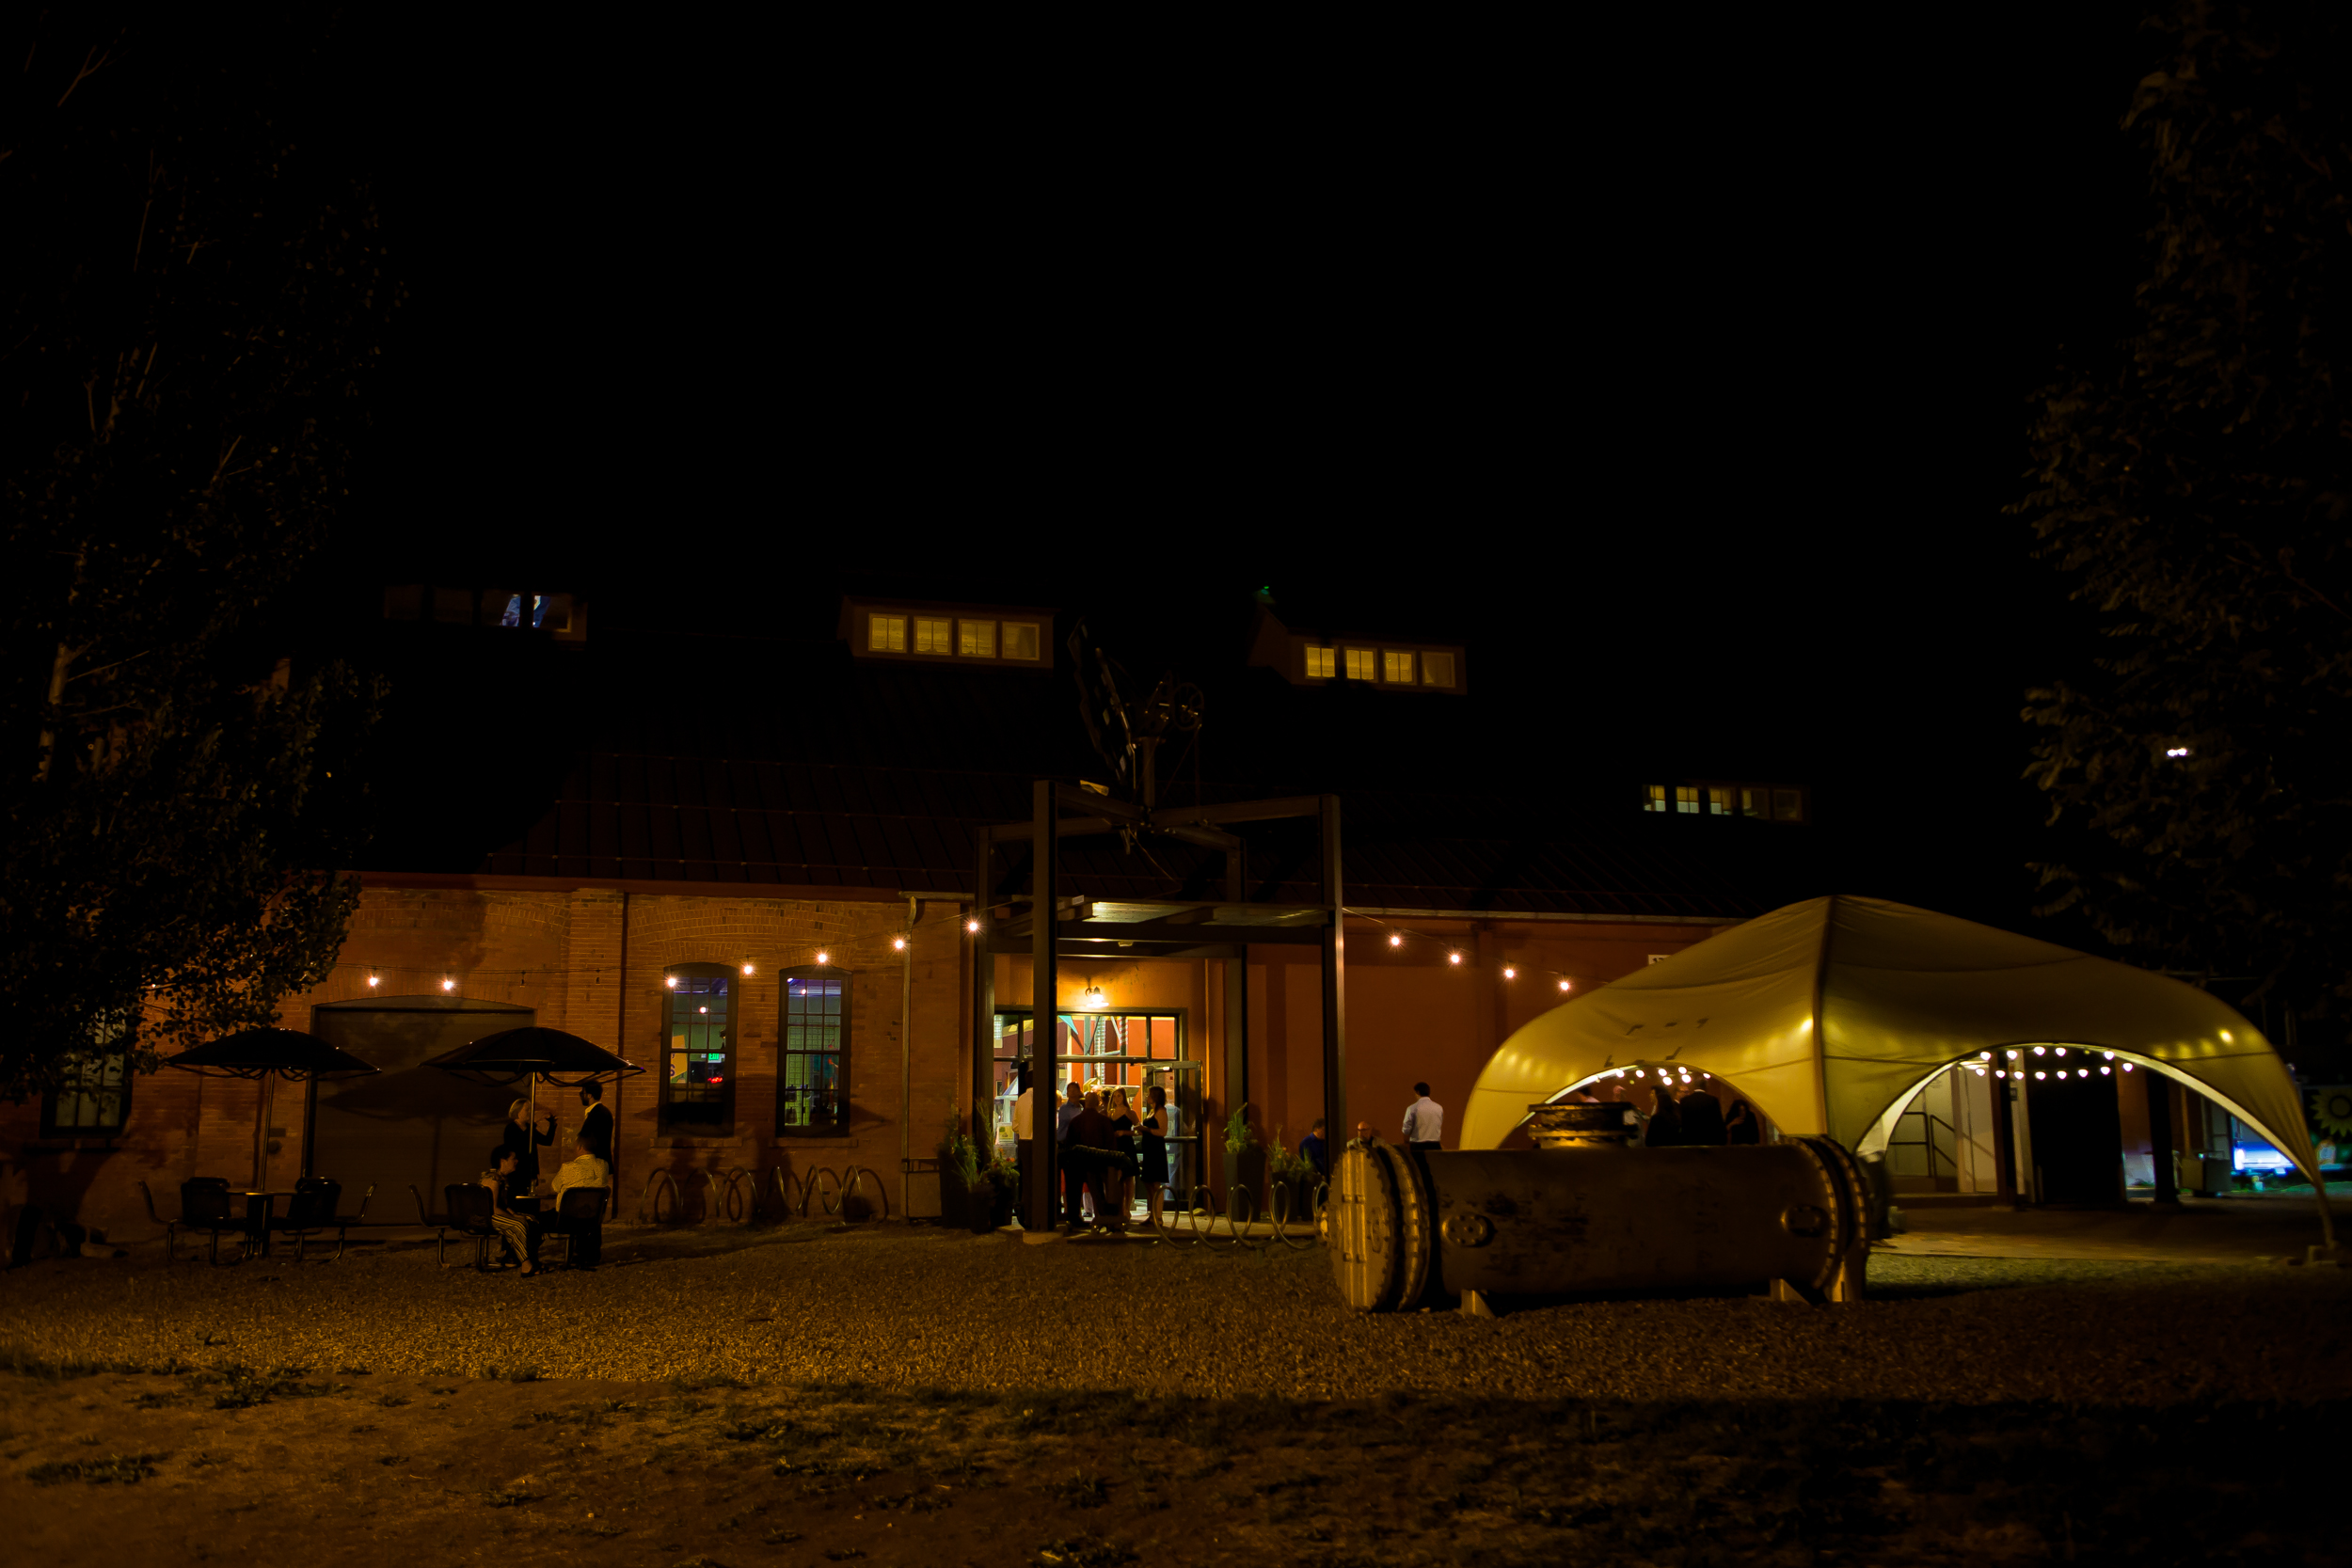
1110,1049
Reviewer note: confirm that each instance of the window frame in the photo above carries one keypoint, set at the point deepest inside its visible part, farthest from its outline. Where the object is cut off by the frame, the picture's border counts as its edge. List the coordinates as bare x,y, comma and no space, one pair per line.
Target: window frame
946,648
731,1035
841,1052
1004,643
1330,660
965,627
1427,679
898,621
111,1040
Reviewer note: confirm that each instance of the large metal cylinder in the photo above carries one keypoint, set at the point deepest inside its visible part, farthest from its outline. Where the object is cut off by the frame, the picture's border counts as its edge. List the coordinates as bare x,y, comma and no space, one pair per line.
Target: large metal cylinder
1564,1221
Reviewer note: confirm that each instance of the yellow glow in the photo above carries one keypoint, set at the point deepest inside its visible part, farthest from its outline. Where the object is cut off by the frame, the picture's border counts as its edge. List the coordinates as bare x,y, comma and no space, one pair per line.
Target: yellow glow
898,945
973,927
1395,941
372,980
2042,1075
1453,957
824,958
448,985
1510,973
747,969
671,982
1564,985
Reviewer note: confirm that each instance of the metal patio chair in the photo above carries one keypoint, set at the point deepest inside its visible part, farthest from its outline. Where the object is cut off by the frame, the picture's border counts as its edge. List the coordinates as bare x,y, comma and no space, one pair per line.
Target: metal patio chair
580,1218
313,1212
205,1205
468,1210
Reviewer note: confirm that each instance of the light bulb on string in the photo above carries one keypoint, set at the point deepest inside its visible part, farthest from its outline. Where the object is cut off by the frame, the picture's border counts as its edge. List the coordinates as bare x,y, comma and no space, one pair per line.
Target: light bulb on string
973,927
1564,985
1396,939
1510,973
823,958
1453,957
898,944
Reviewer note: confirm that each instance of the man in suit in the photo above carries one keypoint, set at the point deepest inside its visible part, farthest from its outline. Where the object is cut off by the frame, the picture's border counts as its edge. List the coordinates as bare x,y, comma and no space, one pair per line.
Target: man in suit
1088,1146
596,1122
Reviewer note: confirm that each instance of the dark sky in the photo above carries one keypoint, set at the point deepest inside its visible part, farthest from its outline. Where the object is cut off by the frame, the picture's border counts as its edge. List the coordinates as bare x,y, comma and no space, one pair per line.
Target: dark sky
1681,376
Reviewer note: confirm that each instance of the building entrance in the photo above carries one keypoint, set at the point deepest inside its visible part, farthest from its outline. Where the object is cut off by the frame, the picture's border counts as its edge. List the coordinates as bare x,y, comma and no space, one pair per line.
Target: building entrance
1110,1049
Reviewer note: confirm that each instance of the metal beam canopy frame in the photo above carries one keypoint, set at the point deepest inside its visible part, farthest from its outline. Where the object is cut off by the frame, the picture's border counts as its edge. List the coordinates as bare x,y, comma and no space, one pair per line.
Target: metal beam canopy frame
1083,927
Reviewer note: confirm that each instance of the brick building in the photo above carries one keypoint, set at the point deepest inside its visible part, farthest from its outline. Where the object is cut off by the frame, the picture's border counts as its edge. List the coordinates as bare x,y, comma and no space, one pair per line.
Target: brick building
783,831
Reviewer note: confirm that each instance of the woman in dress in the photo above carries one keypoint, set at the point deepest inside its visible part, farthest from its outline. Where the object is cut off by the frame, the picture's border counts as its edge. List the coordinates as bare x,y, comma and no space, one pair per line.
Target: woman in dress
1666,1119
1123,1182
1155,1153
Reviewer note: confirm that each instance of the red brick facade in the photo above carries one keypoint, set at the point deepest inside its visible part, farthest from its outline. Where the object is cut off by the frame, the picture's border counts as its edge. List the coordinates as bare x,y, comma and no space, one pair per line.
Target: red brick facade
590,960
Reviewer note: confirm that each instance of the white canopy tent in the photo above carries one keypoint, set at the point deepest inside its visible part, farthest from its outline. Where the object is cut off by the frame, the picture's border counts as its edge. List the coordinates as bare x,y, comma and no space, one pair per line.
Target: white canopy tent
1829,1014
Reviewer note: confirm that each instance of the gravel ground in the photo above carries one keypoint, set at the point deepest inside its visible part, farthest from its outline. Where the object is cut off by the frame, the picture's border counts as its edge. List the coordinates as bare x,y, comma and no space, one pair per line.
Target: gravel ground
890,1308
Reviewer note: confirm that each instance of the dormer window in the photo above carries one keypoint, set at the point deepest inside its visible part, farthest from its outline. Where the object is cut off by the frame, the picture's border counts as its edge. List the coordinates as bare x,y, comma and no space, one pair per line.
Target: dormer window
1361,663
948,634
1322,663
1396,666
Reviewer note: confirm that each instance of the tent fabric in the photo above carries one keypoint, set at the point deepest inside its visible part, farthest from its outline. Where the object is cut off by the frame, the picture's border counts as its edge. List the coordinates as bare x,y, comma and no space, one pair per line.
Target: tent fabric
1827,1013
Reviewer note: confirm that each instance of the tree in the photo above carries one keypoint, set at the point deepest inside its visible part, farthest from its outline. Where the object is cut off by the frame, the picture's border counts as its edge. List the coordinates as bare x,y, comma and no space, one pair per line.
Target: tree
193,295
2196,488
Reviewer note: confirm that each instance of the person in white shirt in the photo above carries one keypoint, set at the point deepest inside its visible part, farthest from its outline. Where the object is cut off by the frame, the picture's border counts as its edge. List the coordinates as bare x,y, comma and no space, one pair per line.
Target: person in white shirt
584,1169
1425,1121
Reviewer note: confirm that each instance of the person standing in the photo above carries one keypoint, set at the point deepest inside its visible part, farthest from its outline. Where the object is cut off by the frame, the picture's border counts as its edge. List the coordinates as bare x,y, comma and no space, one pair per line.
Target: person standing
526,1140
1087,1149
595,1121
1425,1121
1702,1118
1312,1150
1123,1182
1740,1126
1067,1111
1664,1128
1023,1135
1154,1130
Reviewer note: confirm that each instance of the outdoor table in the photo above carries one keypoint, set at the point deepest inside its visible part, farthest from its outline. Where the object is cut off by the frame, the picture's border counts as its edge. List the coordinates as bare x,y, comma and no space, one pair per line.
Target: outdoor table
258,1205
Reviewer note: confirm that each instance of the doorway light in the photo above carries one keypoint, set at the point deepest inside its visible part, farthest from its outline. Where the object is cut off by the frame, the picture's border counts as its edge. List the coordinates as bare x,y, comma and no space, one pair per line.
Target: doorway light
747,969
1564,985
375,979
447,983
898,944
1510,973
1092,997
824,958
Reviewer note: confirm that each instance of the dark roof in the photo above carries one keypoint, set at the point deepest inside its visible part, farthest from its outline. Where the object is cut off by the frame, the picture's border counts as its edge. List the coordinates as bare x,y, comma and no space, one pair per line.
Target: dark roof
750,760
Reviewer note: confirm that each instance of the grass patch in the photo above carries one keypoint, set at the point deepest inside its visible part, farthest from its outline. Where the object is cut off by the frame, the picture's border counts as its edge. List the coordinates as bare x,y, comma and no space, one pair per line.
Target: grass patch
126,1469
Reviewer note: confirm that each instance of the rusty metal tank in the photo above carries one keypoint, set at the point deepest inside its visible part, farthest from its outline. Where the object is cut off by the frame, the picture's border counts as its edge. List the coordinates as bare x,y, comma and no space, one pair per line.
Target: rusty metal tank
1597,1216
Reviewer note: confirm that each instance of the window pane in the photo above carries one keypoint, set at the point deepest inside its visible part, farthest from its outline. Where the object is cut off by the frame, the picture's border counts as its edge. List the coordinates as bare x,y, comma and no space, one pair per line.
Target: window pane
887,634
1654,799
1362,664
979,639
1400,667
932,634
1719,802
1020,640
1436,669
1687,798
1319,663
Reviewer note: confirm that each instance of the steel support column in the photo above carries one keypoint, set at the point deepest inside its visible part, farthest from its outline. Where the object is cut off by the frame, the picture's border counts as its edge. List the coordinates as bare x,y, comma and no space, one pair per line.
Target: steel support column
1040,1206
1335,1122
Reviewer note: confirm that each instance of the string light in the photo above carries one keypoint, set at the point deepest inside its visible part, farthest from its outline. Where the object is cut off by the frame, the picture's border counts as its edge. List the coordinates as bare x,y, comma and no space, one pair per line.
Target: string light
2042,1075
824,958
373,980
898,944
669,981
2104,1070
1453,957
747,969
1510,973
972,927
447,983
1396,939
2037,1051
2127,1067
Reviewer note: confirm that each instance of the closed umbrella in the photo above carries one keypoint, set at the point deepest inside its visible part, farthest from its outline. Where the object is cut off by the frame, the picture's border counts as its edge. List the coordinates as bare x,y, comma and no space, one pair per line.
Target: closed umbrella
263,1054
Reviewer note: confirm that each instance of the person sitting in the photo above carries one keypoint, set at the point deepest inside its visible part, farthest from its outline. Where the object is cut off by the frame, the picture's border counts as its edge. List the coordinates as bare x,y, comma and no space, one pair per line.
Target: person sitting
519,1231
1312,1150
583,1170
1702,1118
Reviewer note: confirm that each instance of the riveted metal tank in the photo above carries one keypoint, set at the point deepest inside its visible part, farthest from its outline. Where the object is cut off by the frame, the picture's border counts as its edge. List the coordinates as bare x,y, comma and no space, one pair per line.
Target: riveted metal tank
1597,1216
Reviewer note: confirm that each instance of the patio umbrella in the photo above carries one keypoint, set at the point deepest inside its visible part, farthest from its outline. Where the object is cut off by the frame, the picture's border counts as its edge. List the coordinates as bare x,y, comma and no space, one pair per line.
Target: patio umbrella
265,1053
513,1055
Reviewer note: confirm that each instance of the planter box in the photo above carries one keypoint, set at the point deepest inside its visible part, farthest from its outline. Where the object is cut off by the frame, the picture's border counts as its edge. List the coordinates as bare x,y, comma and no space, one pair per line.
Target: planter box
1244,1173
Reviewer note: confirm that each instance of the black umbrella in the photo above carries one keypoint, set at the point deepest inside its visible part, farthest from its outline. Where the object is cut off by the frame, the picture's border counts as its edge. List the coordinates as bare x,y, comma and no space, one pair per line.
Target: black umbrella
264,1054
512,1055
534,1053
258,1053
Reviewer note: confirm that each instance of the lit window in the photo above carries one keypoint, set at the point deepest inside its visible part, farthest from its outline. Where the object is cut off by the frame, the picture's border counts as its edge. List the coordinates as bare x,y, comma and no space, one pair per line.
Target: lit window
1322,663
978,639
1720,802
1687,798
1436,669
1020,640
512,615
934,636
810,1077
1399,667
698,1058
1755,802
1787,805
1361,663
1654,798
887,634
92,1099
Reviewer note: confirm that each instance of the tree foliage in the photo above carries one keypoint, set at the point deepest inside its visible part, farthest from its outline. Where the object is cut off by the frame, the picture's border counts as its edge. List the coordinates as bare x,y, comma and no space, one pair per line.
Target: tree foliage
193,297
2196,488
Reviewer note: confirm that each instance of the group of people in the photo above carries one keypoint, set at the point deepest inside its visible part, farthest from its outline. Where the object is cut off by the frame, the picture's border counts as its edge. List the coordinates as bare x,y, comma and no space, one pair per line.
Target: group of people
1109,1141
1697,1119
512,1181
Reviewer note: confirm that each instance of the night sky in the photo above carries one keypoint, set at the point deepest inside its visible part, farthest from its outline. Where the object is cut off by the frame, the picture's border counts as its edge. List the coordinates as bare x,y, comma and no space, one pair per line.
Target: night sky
1682,377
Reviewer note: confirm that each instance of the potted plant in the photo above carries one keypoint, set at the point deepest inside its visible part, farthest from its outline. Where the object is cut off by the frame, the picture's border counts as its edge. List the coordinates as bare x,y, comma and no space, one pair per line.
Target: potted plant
963,1190
1003,1186
1244,1165
1295,1175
